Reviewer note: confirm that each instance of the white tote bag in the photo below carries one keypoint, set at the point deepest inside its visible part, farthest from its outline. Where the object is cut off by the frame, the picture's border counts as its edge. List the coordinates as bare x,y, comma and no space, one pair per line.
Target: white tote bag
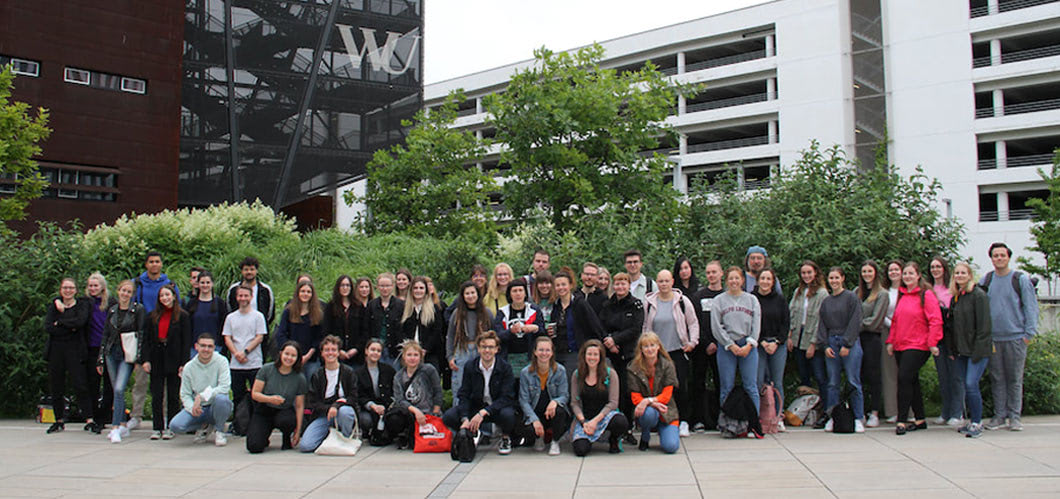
336,444
129,344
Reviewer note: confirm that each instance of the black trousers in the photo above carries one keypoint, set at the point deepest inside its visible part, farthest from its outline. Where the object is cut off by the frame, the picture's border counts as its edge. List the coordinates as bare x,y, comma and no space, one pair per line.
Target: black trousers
165,390
242,380
68,357
681,365
102,401
504,420
559,424
367,419
620,365
263,420
871,377
705,406
909,394
618,426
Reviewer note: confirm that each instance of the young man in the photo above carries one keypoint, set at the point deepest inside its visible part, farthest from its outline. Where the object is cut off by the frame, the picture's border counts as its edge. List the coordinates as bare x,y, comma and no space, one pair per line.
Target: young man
204,387
193,282
704,357
542,261
1014,317
262,296
589,291
487,393
756,259
243,332
146,294
640,285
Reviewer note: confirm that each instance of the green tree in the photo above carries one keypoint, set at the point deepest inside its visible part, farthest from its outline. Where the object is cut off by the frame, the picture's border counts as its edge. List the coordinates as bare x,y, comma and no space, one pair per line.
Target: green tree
19,135
429,185
1046,228
574,135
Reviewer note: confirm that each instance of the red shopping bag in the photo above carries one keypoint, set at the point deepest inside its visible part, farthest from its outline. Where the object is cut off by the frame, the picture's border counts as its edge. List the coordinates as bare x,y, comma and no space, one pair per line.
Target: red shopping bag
431,436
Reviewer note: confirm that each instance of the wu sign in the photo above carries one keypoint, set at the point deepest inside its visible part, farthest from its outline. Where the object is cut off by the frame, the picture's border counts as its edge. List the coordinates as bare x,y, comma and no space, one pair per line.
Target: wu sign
380,57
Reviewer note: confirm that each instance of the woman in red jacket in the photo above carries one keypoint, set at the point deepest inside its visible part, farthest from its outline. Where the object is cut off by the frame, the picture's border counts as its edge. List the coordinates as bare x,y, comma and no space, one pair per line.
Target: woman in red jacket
916,330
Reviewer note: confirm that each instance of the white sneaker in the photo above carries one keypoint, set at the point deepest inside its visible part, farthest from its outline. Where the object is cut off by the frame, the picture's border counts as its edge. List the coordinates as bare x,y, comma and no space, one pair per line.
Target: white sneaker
219,439
859,427
553,448
133,423
200,434
780,427
892,420
124,430
684,429
939,420
114,436
954,422
828,425
874,420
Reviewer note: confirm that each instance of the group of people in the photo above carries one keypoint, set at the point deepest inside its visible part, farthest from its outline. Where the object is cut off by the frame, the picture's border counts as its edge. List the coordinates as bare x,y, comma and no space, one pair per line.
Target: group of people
532,358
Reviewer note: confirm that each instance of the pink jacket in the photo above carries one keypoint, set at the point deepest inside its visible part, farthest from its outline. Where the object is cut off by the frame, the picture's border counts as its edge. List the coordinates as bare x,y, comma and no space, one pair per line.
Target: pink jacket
916,327
684,316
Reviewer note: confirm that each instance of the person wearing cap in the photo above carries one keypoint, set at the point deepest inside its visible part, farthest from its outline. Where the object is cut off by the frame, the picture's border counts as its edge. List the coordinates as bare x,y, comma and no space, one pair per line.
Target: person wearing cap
756,259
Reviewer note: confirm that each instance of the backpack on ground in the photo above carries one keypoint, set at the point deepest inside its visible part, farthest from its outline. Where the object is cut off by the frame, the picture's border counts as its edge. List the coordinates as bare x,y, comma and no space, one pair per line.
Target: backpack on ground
738,415
843,417
241,416
732,428
803,411
769,415
463,448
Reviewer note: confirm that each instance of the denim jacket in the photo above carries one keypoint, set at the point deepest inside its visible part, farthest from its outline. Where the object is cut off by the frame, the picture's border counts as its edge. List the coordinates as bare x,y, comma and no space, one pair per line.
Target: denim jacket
530,389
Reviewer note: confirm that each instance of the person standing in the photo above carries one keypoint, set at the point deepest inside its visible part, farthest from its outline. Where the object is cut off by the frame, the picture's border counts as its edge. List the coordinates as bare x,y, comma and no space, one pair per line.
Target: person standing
168,338
640,285
889,365
736,320
756,259
588,289
207,311
301,322
622,319
1014,316
874,304
669,314
772,352
685,279
402,280
243,333
703,359
469,321
837,336
342,320
147,286
951,389
384,315
261,296
125,316
422,320
916,330
193,282
805,307
516,324
99,299
65,322
575,322
497,289
970,342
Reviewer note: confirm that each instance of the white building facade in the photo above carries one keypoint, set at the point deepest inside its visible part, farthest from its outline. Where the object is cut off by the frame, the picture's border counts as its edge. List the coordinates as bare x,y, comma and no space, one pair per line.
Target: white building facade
967,89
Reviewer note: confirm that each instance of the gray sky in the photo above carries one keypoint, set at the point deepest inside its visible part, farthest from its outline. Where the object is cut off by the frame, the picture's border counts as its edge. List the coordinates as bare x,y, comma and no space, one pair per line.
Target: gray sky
466,36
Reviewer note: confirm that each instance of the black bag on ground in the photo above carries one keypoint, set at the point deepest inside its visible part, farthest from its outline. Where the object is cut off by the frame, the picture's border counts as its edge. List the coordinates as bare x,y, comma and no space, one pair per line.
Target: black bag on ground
843,417
241,417
463,448
737,411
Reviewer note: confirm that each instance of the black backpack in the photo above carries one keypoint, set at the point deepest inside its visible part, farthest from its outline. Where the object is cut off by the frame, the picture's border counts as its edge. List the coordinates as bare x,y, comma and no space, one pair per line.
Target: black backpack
463,448
843,417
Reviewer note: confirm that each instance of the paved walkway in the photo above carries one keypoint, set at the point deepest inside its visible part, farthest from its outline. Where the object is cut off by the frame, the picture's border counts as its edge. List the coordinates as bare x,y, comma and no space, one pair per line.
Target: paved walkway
800,463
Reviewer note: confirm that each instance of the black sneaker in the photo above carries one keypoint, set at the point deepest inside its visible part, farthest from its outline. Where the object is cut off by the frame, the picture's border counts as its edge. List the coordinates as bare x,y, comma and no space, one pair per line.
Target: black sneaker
93,427
629,438
505,447
616,446
643,445
56,427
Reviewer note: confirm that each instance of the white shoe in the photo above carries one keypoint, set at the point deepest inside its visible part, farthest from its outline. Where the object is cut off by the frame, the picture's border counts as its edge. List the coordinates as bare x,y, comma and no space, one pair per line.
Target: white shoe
828,425
133,423
859,427
114,436
219,439
124,430
200,434
780,427
553,448
684,430
954,422
892,420
874,420
939,420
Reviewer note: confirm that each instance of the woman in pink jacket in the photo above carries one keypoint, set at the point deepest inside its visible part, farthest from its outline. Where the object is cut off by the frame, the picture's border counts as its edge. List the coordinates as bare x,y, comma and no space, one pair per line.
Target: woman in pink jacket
916,330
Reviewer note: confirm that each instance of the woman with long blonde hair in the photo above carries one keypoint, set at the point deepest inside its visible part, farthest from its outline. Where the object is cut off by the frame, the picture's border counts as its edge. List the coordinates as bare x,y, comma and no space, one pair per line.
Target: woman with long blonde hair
497,289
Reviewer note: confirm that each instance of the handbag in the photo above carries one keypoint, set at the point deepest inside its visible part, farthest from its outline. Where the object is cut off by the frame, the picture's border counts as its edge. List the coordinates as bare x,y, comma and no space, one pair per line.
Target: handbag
431,436
337,444
130,345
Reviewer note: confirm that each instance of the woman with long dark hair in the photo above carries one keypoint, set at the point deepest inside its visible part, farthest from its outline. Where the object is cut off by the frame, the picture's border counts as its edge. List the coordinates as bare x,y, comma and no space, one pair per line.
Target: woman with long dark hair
805,309
344,318
470,319
874,302
685,279
773,336
888,364
594,391
838,337
207,312
402,280
301,322
916,330
544,393
575,321
168,341
65,322
541,293
279,395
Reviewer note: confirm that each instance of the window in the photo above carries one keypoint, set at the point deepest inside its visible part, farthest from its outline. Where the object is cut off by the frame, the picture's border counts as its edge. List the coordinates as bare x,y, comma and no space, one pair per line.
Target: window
5,186
25,68
133,85
78,76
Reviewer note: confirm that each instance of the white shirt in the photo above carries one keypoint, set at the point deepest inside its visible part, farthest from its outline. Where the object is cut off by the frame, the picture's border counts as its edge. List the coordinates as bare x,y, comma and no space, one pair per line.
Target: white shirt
332,384
639,287
243,328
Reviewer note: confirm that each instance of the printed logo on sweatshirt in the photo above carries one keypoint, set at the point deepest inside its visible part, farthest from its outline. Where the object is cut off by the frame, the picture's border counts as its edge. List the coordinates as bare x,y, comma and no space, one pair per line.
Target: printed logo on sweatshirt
737,308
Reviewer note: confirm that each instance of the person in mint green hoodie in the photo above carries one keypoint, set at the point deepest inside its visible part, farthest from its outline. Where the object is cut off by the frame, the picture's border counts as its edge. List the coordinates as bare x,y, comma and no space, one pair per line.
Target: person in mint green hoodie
204,393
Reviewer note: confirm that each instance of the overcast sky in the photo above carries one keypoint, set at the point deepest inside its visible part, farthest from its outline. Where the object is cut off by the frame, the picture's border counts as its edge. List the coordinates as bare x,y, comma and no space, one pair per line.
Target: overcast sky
466,36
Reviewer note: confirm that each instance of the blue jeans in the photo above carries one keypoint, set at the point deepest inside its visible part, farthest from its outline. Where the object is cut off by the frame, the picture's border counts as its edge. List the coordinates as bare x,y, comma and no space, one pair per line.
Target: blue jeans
669,435
970,372
459,358
951,385
771,367
852,365
727,364
216,414
317,430
811,369
119,372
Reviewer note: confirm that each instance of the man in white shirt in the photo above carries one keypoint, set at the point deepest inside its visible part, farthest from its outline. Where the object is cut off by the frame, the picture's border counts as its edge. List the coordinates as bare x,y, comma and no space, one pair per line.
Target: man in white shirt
243,332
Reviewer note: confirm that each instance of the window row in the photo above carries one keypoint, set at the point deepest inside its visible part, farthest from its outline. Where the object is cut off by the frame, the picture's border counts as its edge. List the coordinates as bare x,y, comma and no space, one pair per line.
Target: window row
106,81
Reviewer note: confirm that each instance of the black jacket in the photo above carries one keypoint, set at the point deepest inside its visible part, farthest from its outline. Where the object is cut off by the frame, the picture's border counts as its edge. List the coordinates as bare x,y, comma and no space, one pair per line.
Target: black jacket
365,390
586,324
776,319
509,342
71,324
391,317
178,343
351,325
623,320
317,404
972,331
705,295
502,388
117,323
596,299
432,336
266,303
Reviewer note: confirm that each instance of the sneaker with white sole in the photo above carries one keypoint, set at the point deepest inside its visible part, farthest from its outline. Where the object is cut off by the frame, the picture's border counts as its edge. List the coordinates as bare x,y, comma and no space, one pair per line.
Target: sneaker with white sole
539,444
156,435
167,434
114,436
828,425
219,439
995,424
975,430
955,422
200,434
505,447
859,427
684,429
892,420
699,428
874,420
553,448
133,423
124,430
1014,424
939,420
780,427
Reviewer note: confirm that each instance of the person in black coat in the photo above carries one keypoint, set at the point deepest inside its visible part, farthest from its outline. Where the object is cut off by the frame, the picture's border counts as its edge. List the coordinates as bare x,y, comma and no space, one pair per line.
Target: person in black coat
65,322
584,321
375,390
331,399
168,340
423,321
346,316
622,318
384,314
480,403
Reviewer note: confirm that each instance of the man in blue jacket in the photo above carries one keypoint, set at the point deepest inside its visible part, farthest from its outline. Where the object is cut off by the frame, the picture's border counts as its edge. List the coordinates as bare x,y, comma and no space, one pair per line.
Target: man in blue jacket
487,393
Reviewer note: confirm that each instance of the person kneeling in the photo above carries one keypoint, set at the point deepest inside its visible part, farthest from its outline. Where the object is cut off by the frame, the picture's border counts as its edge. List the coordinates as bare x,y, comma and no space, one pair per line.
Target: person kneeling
331,398
652,379
279,400
594,391
417,392
543,397
204,384
487,393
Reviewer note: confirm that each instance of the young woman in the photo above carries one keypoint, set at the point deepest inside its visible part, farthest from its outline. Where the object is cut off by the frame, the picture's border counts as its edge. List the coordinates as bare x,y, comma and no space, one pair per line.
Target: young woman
516,324
805,306
375,388
594,391
301,322
916,330
772,338
497,290
541,293
685,279
622,319
469,320
838,337
402,280
736,321
951,388
433,293
970,342
603,282
889,366
670,314
122,317
874,302
575,321
279,390
544,393
384,314
341,318
332,397
424,322
100,301
417,392
65,323
652,380
207,312
168,341
362,296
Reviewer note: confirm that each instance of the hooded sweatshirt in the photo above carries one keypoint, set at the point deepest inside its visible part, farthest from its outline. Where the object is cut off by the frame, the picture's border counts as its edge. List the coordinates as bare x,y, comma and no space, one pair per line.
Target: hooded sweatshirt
915,326
147,290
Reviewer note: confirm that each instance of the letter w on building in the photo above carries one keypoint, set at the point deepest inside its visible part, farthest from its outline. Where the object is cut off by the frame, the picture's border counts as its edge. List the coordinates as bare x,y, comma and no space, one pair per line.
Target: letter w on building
379,57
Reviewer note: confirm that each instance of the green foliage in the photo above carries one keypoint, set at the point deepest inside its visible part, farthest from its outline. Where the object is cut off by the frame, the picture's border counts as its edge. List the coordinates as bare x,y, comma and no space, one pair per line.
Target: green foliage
574,134
425,187
19,134
1046,228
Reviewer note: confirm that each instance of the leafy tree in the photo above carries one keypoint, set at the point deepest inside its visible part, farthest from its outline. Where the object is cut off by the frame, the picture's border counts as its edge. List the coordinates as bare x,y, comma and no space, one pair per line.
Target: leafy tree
19,135
1046,229
426,186
575,133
